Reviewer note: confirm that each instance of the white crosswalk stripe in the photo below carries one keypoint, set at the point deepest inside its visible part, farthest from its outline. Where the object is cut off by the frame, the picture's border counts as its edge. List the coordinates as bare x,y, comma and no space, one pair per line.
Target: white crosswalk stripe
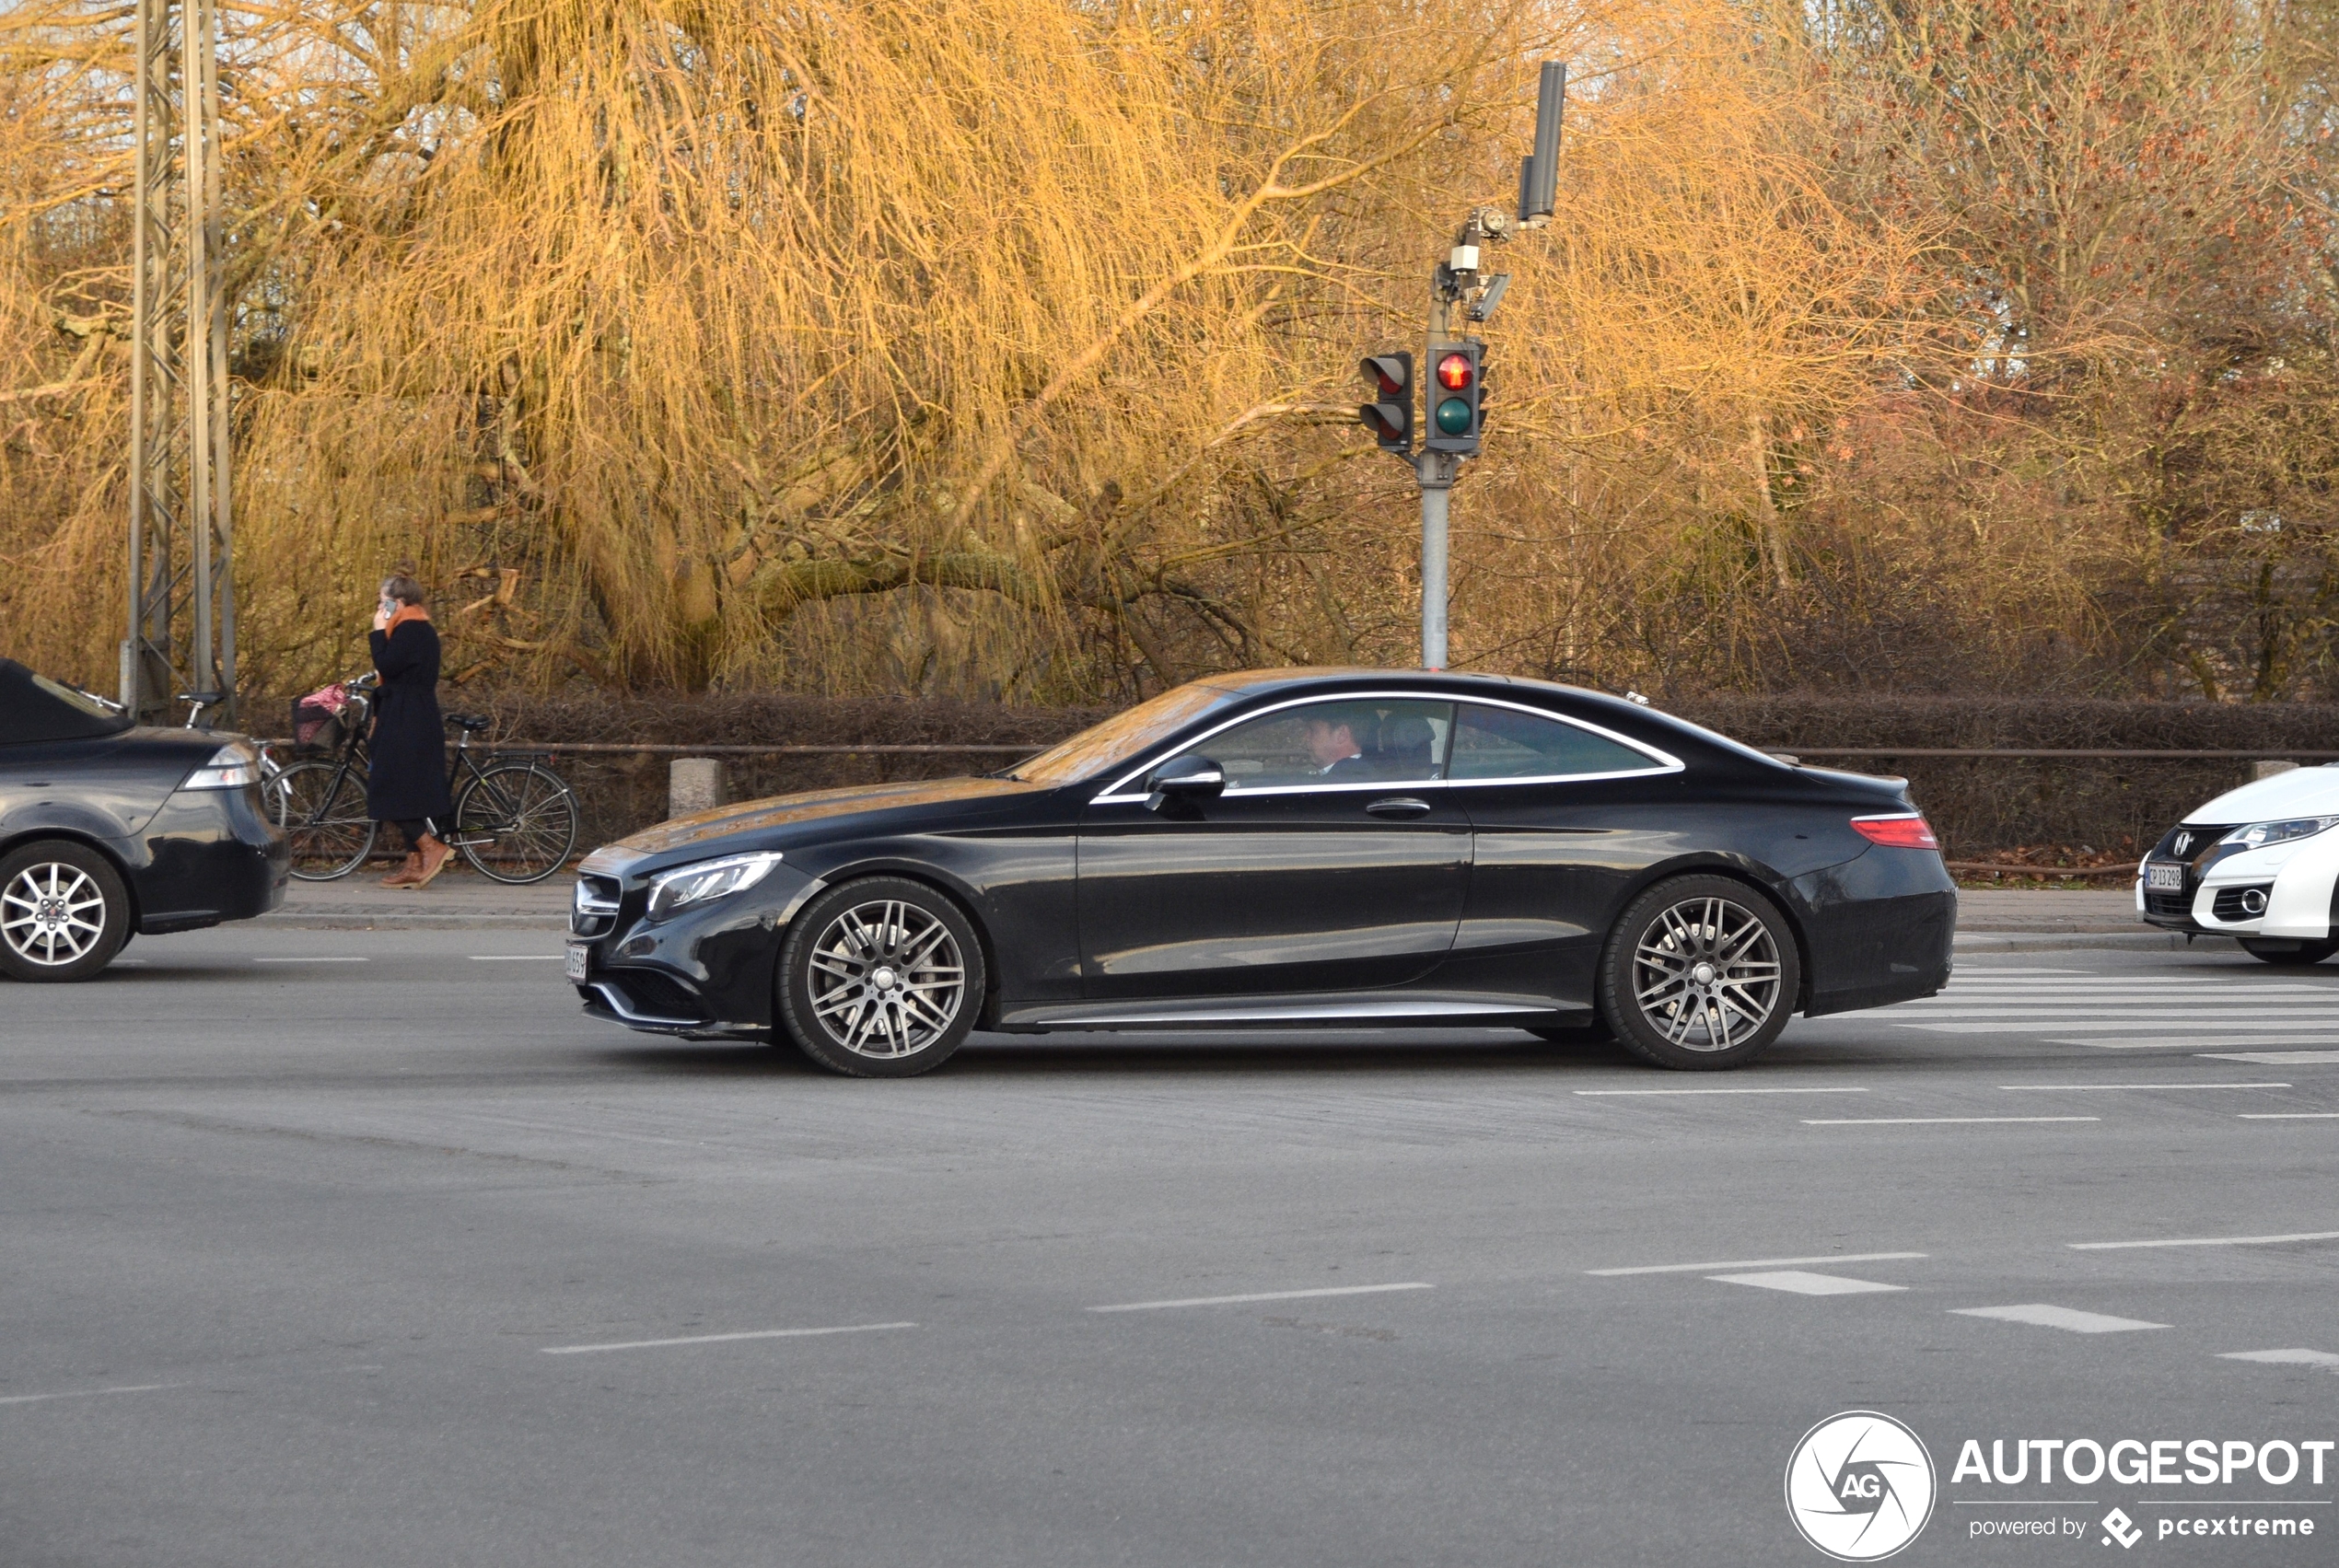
2117,1012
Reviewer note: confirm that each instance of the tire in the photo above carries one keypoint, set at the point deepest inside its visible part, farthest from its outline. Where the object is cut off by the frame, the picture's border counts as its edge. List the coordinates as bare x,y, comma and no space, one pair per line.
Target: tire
2289,953
1663,1008
847,945
64,912
516,822
322,811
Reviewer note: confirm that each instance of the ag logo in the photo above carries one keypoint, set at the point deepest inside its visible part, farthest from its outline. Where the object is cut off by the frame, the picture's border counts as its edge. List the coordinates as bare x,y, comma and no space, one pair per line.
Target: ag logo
1860,1486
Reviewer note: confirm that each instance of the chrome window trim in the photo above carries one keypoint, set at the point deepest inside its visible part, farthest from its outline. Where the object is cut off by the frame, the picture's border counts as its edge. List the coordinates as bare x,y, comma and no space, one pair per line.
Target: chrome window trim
1661,761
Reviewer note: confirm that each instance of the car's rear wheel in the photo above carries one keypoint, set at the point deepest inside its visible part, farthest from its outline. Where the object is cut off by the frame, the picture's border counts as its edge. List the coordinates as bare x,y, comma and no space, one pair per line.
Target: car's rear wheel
2268,951
880,977
1701,973
64,912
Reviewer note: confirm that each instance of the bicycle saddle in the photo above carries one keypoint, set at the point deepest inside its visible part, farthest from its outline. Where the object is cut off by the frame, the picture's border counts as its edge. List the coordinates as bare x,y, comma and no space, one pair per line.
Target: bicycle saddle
472,722
207,699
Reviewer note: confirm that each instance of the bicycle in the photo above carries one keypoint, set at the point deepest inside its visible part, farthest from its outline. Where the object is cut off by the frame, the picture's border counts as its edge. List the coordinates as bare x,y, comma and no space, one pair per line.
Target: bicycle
515,821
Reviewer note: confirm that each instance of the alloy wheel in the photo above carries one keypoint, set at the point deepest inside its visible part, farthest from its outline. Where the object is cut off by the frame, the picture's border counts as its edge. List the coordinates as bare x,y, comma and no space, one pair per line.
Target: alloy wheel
1706,973
52,915
887,978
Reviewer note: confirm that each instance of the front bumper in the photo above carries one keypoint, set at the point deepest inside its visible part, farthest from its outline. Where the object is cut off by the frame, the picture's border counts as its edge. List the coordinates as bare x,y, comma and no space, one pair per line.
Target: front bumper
2284,892
707,972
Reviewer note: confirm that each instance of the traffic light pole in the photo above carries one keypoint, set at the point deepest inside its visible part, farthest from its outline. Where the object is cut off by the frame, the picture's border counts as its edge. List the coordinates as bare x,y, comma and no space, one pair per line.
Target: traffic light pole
1436,472
1454,409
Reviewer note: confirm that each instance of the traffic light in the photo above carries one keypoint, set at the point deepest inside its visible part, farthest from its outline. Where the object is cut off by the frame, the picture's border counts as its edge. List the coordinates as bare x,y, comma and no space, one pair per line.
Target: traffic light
1390,417
1456,383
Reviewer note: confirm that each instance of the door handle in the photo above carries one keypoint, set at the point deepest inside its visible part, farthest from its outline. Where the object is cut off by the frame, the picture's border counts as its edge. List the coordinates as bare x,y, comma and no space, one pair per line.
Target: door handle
1399,807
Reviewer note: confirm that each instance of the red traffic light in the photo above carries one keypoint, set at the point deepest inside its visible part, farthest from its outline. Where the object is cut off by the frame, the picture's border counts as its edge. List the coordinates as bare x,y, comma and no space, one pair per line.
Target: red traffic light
1454,372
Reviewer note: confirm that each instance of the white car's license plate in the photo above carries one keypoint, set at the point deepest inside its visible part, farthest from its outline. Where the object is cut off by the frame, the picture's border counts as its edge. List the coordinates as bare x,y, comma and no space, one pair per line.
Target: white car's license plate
575,967
2158,878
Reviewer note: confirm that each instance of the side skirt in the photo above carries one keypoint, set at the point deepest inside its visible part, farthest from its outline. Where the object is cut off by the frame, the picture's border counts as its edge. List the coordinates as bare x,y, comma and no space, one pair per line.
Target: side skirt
1449,1010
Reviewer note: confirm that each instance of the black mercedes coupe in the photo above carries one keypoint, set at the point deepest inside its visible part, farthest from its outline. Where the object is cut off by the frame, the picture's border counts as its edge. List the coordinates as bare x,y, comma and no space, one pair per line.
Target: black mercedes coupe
108,829
1343,847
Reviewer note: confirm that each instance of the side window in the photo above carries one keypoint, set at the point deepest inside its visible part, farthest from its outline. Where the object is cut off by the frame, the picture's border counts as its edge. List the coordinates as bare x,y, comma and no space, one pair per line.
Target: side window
1367,740
1501,743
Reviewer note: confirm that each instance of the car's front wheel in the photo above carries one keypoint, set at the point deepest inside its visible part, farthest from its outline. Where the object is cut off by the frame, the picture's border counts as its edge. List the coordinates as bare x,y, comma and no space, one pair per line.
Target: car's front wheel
64,912
880,977
1701,973
2300,953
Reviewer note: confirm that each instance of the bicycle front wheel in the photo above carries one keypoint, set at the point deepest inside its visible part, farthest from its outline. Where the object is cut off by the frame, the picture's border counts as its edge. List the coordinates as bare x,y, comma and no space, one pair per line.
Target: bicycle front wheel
516,822
321,807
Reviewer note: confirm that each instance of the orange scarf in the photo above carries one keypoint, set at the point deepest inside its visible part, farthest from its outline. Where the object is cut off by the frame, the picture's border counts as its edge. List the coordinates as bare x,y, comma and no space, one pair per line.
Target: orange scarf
404,613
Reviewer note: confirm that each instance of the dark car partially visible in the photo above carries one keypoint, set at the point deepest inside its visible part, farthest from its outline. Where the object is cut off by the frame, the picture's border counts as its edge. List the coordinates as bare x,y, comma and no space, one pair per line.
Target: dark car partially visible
108,829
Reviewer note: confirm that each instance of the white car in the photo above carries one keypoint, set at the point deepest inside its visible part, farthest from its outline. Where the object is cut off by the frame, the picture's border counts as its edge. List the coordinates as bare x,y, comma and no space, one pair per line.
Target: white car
2257,863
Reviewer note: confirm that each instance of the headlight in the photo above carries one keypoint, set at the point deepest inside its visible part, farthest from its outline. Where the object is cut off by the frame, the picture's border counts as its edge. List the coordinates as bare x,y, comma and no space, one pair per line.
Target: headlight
231,767
686,885
2257,835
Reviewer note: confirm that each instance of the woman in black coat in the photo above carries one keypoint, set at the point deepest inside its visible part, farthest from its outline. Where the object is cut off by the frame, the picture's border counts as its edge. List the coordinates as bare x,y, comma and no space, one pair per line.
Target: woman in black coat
408,783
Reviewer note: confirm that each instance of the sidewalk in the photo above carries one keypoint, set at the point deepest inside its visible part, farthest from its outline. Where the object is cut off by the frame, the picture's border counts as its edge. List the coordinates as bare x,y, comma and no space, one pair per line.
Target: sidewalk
2011,921
457,899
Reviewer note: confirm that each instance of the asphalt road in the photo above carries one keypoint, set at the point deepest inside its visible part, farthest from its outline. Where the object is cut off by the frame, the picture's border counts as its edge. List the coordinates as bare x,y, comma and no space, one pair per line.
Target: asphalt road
365,1248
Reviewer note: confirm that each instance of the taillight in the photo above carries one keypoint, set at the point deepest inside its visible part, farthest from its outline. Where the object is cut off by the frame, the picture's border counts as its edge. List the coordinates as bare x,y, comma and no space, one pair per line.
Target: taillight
1896,833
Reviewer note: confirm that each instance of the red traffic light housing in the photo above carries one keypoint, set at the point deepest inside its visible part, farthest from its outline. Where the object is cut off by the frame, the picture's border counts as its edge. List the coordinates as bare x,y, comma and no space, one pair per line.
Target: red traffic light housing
1390,417
1458,386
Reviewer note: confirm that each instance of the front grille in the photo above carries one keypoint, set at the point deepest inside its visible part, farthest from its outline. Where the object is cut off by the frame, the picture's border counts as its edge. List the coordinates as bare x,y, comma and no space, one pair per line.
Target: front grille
595,910
2171,905
2231,904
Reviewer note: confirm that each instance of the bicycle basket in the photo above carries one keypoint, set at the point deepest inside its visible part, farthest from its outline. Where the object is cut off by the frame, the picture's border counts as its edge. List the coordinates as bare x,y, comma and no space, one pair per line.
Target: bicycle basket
315,728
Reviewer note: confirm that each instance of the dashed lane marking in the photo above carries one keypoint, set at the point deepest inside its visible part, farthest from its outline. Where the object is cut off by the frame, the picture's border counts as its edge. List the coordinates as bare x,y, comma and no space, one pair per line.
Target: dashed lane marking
1718,1091
724,1339
1935,1121
2206,1241
2214,1035
2173,1084
1261,1295
311,960
2235,1023
86,1393
515,957
1799,1282
2322,1358
2042,1315
2287,1115
2270,1057
1752,1263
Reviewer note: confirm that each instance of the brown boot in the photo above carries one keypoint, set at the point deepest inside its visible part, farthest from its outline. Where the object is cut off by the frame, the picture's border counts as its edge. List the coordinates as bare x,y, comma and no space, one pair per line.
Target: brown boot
407,871
436,854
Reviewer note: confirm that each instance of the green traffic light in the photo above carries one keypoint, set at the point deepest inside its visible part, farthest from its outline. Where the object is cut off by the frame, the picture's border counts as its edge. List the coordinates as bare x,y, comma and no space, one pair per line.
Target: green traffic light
1453,416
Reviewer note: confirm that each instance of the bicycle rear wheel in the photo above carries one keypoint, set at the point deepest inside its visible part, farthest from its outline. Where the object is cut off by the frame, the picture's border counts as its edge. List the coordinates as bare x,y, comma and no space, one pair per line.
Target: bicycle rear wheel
516,822
321,807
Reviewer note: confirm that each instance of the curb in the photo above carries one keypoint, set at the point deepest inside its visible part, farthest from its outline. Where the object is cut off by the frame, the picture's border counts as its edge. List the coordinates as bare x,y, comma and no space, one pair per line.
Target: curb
2075,941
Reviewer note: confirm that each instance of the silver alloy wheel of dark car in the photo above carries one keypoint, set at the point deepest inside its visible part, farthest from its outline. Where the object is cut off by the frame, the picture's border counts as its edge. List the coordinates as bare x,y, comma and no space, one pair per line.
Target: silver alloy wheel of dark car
63,914
1702,972
880,977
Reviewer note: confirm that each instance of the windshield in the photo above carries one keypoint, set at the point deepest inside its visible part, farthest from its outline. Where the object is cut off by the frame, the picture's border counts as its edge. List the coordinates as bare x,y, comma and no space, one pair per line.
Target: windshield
1101,746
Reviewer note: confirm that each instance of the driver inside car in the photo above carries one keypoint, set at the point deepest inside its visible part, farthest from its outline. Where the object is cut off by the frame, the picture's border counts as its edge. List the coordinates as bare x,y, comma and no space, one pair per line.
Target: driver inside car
1333,743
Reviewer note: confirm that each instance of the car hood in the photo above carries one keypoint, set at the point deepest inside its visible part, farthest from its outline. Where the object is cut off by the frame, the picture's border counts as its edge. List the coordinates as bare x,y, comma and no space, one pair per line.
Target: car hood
813,805
2301,792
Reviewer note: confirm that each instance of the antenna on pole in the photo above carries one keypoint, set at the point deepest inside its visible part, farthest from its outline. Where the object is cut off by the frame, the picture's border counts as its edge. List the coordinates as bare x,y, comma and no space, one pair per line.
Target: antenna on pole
1539,176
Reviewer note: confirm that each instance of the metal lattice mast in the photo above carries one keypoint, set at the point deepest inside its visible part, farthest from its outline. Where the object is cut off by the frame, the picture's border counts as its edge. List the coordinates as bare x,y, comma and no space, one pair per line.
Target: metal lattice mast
182,633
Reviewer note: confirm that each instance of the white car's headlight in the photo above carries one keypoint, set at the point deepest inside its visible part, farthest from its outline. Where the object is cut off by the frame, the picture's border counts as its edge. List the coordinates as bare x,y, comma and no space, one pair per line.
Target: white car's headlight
231,767
2257,835
678,890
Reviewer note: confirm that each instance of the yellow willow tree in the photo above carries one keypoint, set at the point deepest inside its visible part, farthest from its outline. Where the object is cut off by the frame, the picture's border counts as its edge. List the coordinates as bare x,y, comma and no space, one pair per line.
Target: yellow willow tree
665,318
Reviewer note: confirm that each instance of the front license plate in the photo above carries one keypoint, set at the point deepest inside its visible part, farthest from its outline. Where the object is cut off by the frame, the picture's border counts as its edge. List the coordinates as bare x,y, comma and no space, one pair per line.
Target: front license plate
575,967
2156,878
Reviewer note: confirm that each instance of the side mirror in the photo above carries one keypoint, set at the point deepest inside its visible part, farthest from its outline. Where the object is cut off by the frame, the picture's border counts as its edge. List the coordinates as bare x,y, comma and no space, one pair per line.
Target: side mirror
1186,778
